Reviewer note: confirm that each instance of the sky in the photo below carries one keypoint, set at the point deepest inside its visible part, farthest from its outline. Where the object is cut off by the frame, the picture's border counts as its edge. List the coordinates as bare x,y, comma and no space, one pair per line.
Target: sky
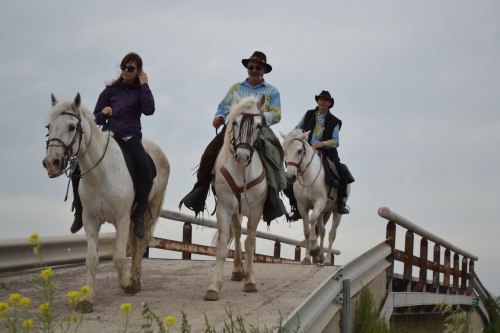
416,85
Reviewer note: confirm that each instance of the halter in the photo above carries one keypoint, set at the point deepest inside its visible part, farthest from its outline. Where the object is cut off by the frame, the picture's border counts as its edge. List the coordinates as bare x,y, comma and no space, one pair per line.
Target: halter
297,165
246,145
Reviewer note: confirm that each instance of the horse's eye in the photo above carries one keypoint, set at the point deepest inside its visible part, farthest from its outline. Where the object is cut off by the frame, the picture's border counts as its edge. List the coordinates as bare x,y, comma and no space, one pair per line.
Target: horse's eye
300,151
71,128
47,127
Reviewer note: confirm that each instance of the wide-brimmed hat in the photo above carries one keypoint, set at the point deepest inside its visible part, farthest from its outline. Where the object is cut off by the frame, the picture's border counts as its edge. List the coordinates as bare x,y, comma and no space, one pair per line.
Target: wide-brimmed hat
324,94
258,56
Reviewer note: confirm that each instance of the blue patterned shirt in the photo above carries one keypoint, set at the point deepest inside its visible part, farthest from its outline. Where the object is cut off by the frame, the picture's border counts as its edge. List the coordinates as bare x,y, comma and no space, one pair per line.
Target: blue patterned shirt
318,131
272,106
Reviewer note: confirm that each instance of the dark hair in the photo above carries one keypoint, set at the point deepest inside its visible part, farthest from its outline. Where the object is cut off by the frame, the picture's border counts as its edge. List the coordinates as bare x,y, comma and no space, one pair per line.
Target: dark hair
129,57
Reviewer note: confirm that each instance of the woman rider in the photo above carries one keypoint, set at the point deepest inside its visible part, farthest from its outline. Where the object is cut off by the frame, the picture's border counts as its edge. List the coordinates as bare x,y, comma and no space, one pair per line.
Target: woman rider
119,109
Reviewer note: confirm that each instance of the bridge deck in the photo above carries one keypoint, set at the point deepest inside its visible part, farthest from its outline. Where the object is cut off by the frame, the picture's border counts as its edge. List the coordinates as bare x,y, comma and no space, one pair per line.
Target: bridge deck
169,286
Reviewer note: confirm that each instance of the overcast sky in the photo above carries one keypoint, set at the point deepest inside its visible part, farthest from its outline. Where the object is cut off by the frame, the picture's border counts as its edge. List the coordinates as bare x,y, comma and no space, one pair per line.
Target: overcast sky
417,86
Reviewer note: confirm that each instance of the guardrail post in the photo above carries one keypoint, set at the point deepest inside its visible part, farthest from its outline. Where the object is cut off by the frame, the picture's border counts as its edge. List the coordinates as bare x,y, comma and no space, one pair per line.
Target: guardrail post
390,233
422,274
187,238
471,277
463,276
446,276
297,253
454,289
146,253
346,310
408,263
333,260
435,268
277,249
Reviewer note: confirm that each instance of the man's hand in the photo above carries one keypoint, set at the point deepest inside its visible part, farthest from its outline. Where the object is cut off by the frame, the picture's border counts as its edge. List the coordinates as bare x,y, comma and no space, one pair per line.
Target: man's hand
143,78
318,144
218,121
107,111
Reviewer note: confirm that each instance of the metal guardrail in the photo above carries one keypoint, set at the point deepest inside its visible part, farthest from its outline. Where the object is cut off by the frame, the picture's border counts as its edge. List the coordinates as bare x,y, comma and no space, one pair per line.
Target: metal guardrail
316,311
17,254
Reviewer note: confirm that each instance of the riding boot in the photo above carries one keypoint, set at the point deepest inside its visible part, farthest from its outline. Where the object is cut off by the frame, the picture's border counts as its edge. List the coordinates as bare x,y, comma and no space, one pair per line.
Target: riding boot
342,208
195,200
294,212
137,216
77,204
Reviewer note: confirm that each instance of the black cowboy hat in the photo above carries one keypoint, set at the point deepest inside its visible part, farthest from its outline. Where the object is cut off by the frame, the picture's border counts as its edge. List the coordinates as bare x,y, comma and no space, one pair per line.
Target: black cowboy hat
324,94
258,56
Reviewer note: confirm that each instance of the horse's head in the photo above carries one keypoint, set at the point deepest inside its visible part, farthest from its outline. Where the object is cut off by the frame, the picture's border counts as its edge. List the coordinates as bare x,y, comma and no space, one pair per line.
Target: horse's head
294,146
245,123
65,135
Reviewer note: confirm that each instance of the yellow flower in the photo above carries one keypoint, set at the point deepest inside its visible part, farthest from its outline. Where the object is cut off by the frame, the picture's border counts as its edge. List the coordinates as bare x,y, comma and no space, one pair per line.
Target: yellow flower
46,274
28,323
14,299
85,291
3,308
73,297
73,319
170,321
34,238
44,308
25,302
36,249
126,307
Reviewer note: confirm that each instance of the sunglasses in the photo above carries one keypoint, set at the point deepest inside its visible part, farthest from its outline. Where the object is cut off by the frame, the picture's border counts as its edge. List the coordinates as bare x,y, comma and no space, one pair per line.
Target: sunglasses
128,68
251,67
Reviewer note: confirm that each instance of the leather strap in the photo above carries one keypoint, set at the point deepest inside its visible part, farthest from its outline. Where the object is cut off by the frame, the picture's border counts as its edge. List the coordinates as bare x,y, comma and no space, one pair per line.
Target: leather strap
238,190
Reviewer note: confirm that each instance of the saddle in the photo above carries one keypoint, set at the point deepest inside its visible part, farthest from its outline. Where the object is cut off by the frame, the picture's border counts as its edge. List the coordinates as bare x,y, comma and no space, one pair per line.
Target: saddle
332,176
131,166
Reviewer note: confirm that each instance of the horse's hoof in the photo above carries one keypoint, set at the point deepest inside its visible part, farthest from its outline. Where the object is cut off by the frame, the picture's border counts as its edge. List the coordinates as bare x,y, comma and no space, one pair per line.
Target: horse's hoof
305,262
315,252
211,296
238,276
250,288
134,287
84,307
326,263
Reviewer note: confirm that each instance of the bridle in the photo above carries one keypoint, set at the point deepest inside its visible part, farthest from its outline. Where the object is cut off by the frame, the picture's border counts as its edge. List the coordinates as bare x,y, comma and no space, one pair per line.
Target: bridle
246,144
69,158
297,165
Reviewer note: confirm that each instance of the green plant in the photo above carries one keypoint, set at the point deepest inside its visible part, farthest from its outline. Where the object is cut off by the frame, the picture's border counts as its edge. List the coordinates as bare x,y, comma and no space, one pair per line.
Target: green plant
458,320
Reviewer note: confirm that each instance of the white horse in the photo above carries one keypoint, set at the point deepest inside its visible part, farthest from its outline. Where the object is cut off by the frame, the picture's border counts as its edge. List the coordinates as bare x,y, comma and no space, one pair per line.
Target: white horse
106,188
241,188
311,192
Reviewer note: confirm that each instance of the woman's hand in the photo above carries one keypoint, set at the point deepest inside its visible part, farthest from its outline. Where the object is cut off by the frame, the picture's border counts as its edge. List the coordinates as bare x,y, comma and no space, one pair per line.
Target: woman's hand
107,111
318,144
143,77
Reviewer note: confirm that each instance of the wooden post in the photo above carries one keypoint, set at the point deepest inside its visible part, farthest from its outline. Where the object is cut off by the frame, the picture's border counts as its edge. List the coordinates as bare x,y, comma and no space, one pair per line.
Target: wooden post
471,277
333,259
456,274
447,270
277,249
297,253
463,277
408,261
422,275
187,237
391,237
435,268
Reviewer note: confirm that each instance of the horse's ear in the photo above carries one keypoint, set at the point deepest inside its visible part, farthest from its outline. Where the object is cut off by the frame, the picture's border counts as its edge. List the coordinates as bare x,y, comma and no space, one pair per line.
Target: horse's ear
236,98
283,135
261,102
304,135
76,102
54,99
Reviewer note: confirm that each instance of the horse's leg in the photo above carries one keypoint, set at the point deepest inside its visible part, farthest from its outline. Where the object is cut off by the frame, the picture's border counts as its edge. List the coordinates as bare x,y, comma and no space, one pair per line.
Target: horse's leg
236,228
223,224
331,237
92,263
307,234
248,274
320,226
319,205
120,257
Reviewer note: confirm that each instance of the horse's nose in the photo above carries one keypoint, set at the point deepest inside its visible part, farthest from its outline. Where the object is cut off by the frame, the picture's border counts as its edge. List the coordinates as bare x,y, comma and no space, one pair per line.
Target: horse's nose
291,178
56,162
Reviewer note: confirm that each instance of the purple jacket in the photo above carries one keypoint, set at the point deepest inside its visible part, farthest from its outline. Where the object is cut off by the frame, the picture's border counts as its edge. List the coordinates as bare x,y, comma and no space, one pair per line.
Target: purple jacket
128,104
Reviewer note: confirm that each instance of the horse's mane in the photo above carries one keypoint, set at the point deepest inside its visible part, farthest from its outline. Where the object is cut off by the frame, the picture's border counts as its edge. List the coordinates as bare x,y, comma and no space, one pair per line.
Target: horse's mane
289,138
66,105
246,105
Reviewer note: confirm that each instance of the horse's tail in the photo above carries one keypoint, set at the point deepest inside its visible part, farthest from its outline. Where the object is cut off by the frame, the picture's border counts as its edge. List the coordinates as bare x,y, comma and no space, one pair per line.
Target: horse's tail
216,239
